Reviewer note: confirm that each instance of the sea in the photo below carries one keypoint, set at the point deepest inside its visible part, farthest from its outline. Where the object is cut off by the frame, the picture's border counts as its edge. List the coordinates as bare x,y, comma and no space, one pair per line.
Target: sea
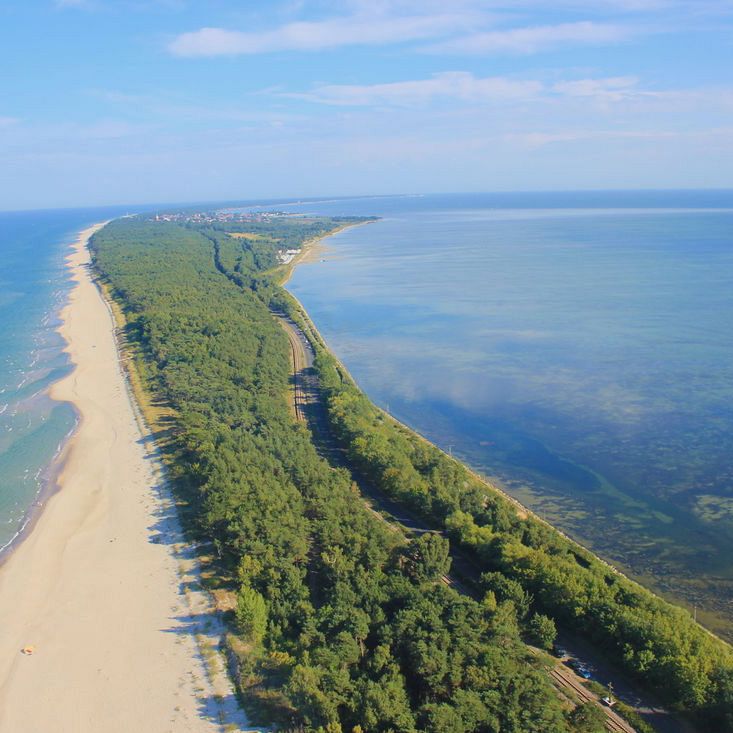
34,285
575,348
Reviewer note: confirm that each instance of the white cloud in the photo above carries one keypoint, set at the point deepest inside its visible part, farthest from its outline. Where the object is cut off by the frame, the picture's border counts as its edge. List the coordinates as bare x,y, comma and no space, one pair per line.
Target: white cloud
454,85
613,88
111,129
188,109
116,97
466,27
533,39
98,130
539,139
463,86
367,29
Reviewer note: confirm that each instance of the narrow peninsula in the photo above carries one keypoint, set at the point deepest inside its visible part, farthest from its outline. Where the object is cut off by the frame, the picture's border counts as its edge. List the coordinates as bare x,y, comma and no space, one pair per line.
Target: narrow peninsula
368,580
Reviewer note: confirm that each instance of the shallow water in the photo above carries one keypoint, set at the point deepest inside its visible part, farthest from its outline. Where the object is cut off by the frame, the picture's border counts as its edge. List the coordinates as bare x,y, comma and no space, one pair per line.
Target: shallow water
579,348
33,286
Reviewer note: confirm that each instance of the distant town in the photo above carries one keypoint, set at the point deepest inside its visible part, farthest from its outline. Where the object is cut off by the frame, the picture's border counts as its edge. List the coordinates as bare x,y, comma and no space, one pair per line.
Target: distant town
222,216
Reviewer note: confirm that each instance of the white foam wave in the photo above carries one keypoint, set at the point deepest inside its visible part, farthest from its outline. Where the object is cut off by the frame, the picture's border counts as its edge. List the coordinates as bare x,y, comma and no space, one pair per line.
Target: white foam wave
17,534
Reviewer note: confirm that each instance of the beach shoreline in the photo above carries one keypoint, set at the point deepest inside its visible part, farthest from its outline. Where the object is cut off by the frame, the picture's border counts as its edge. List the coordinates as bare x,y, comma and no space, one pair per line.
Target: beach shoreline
48,474
493,483
314,248
49,485
103,586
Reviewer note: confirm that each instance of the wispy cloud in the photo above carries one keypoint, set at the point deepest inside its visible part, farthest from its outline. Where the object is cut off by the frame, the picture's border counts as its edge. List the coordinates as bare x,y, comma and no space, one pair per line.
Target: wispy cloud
465,87
112,129
612,89
533,39
539,139
73,3
467,28
96,130
448,85
188,109
360,29
116,97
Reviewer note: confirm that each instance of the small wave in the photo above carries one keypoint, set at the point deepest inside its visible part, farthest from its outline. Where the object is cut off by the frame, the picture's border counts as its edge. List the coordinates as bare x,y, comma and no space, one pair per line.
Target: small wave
41,477
24,521
17,534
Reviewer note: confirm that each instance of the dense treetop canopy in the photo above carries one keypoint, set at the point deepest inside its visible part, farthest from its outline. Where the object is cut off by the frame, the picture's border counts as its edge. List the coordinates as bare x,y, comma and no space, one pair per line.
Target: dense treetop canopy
341,622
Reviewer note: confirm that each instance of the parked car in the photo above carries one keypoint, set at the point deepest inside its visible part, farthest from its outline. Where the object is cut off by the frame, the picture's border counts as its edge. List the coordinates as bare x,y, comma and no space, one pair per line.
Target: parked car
581,669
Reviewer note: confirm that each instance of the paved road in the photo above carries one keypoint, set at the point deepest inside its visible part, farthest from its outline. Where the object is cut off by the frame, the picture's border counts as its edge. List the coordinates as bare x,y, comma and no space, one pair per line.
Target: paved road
308,408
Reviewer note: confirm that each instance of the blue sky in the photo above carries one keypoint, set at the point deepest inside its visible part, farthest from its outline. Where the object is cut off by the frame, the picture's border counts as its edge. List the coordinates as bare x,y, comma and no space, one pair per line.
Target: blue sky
127,101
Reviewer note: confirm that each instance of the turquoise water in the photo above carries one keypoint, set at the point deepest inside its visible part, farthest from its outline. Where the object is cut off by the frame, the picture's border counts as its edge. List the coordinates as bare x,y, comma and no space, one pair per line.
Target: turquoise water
579,348
33,286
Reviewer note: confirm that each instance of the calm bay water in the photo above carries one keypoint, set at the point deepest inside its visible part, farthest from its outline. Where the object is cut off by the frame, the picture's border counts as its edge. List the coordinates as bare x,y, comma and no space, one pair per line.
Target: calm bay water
579,348
33,287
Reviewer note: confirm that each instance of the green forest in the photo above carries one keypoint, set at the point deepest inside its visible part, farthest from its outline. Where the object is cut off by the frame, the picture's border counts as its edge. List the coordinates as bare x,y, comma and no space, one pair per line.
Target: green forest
340,624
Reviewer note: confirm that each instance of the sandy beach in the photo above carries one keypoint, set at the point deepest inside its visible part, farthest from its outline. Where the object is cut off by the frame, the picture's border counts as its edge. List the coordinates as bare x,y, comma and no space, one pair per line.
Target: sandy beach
104,589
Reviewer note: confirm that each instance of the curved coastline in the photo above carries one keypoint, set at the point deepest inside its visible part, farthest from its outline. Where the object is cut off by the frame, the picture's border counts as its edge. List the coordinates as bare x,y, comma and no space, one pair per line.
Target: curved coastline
102,588
49,485
311,249
710,621
312,331
48,473
647,701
